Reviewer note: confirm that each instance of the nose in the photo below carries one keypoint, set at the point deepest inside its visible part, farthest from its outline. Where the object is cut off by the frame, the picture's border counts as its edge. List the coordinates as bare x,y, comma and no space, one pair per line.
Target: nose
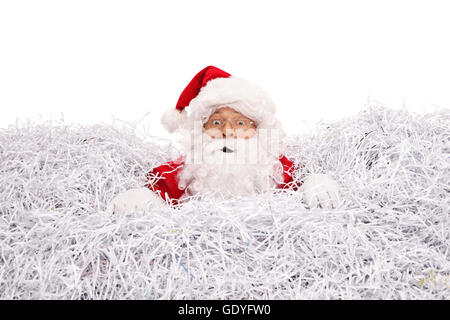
227,131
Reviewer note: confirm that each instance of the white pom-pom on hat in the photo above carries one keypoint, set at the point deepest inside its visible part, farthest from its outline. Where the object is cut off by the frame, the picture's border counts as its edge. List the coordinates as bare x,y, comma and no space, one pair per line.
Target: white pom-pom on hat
172,119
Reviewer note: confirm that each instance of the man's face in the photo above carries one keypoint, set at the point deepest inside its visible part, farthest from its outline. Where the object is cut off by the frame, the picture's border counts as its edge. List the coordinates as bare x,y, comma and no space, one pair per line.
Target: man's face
230,156
228,123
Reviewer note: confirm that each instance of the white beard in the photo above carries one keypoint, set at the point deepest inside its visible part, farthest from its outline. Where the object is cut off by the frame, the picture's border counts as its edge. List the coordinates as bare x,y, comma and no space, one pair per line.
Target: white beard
250,168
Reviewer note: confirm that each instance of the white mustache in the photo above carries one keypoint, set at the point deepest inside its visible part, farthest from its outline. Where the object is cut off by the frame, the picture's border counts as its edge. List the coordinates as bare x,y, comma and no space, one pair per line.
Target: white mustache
225,145
213,146
229,151
205,149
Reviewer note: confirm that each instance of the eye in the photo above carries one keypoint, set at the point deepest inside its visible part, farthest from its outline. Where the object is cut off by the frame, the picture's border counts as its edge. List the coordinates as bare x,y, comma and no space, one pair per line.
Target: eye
216,122
240,122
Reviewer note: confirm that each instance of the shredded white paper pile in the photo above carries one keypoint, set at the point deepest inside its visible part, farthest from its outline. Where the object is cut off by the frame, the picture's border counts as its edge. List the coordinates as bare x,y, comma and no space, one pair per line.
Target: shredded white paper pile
388,240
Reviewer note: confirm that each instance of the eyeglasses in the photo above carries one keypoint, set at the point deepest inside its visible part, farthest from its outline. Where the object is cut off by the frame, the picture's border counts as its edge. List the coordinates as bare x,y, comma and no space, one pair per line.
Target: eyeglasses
235,123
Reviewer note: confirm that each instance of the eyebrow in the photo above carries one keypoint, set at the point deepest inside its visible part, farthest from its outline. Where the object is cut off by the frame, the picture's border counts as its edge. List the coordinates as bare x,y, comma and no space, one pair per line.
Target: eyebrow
240,116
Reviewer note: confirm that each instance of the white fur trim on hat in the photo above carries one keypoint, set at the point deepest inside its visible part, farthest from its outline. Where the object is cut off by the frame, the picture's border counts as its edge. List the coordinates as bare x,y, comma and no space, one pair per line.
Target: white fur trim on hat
172,119
228,90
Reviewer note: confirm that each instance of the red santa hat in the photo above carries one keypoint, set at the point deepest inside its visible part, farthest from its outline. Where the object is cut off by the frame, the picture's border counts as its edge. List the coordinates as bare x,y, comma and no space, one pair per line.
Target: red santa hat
213,87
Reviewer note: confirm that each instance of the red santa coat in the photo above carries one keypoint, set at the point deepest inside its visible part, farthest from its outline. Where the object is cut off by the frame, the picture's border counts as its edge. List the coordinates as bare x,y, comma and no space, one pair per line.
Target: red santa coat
164,179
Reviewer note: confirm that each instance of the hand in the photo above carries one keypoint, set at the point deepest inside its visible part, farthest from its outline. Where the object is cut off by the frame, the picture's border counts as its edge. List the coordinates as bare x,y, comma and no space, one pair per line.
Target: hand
320,190
134,200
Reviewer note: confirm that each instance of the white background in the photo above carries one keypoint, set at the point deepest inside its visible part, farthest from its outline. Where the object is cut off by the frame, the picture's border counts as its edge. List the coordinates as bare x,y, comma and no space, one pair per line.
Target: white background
320,60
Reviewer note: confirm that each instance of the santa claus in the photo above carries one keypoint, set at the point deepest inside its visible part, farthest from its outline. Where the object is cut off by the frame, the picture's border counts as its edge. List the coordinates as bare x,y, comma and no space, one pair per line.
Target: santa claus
233,146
